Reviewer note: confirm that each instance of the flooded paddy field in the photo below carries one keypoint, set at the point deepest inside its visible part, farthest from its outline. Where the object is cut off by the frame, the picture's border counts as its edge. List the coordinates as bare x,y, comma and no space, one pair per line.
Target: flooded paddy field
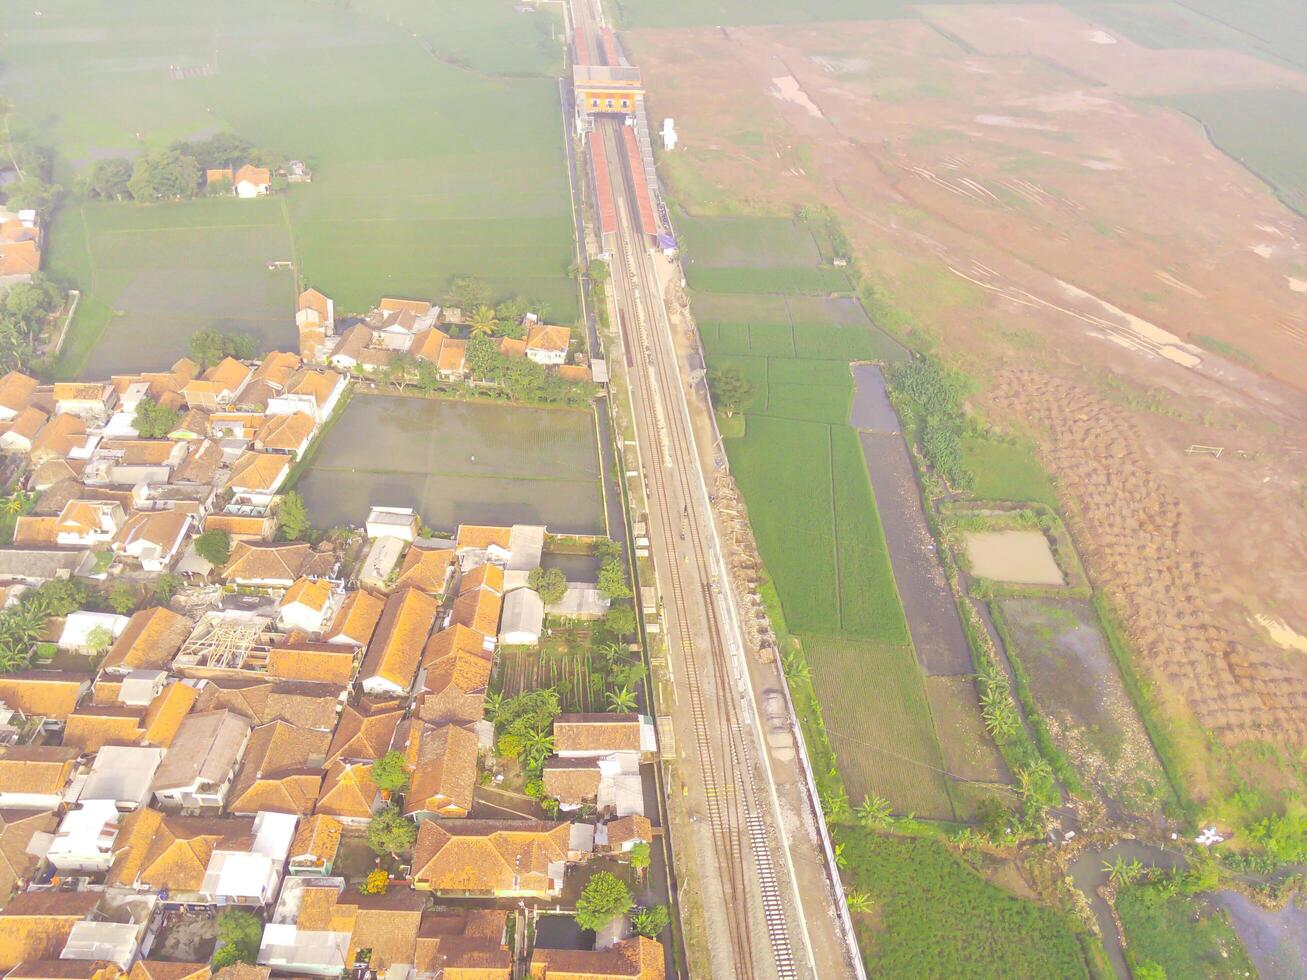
458,463
1077,685
1020,557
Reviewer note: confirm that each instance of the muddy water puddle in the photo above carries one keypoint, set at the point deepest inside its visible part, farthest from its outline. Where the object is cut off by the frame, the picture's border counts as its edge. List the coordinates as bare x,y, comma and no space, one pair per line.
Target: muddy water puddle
1019,557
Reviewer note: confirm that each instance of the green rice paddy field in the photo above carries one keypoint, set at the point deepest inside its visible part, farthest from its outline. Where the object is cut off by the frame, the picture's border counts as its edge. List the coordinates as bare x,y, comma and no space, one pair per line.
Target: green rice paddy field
434,155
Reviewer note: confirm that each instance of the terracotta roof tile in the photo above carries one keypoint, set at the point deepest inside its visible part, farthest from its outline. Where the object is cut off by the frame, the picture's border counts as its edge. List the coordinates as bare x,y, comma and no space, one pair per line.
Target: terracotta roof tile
396,649
597,732
365,733
488,856
426,569
150,640
329,663
258,471
480,536
636,958
259,562
36,768
358,617
281,770
316,841
348,791
47,693
444,764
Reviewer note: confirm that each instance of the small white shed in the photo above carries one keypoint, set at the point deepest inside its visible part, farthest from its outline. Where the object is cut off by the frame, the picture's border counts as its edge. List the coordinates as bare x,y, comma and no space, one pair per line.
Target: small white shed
522,619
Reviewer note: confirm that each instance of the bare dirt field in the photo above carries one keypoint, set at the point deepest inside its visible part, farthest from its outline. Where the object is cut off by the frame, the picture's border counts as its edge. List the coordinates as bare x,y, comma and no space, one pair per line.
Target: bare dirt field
1120,288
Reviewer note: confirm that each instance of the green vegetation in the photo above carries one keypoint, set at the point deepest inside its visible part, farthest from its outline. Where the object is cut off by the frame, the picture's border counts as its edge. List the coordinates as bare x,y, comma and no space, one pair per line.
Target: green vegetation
154,421
390,772
929,397
934,916
294,523
551,583
585,664
650,921
214,547
604,898
1178,932
26,309
1006,469
446,163
390,833
208,347
239,933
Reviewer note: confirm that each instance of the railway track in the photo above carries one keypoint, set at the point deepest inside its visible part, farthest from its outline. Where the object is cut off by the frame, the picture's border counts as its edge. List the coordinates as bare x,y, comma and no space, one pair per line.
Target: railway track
742,838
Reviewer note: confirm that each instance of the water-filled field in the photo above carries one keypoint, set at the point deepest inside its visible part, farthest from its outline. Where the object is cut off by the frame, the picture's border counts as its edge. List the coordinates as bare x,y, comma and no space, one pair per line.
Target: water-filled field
458,463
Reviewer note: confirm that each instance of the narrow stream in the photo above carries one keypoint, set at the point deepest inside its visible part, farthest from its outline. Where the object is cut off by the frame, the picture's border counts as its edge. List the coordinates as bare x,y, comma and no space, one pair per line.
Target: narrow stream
1088,873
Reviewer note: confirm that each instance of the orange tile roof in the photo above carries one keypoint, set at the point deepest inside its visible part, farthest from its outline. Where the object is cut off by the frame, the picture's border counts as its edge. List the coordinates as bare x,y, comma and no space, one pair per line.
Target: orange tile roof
32,531
150,640
358,617
426,569
396,649
78,391
163,970
499,857
238,526
16,390
348,791
512,347
456,658
285,432
487,576
331,663
318,383
91,728
47,693
636,958
316,841
281,770
480,536
255,175
313,300
162,528
19,258
597,732
40,769
444,765
312,593
386,924
27,423
417,307
165,851
575,372
365,733
548,337
217,175
35,925
453,354
428,344
59,436
572,781
258,471
479,609
163,718
266,562
277,367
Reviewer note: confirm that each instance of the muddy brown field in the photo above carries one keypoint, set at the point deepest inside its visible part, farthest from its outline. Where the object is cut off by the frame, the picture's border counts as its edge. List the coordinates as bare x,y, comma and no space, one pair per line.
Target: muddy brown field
1121,289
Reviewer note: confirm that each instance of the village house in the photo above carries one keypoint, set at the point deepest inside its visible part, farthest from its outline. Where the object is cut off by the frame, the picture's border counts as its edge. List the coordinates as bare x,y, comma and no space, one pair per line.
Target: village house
16,435
301,659
366,731
426,569
20,246
395,652
636,958
121,775
219,386
356,622
285,434
281,770
443,762
84,523
150,640
547,344
522,619
35,777
270,378
393,522
315,317
314,392
154,538
620,836
491,858
201,763
263,699
467,942
349,793
257,475
49,694
88,399
308,933
308,605
251,181
82,629
274,566
314,848
86,838
16,391
19,855
455,675
36,925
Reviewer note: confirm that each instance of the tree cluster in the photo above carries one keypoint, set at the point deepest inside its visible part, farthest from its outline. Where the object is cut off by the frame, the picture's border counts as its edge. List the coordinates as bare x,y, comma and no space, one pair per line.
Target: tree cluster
33,165
154,421
730,389
930,396
293,516
521,378
208,347
24,310
551,583
391,833
524,725
173,173
604,898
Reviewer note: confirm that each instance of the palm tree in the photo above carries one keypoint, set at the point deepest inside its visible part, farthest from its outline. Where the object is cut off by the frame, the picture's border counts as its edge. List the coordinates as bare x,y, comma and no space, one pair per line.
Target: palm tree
17,503
537,745
482,322
14,655
857,900
874,811
621,701
494,706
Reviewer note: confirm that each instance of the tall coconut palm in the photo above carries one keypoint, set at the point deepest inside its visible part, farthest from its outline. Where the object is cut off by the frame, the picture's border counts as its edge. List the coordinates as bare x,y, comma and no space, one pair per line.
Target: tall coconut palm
482,322
621,701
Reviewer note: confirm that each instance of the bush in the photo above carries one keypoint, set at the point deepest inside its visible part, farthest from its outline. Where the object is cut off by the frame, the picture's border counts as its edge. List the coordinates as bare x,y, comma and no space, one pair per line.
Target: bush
621,620
214,547
390,772
375,883
391,833
612,579
551,583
